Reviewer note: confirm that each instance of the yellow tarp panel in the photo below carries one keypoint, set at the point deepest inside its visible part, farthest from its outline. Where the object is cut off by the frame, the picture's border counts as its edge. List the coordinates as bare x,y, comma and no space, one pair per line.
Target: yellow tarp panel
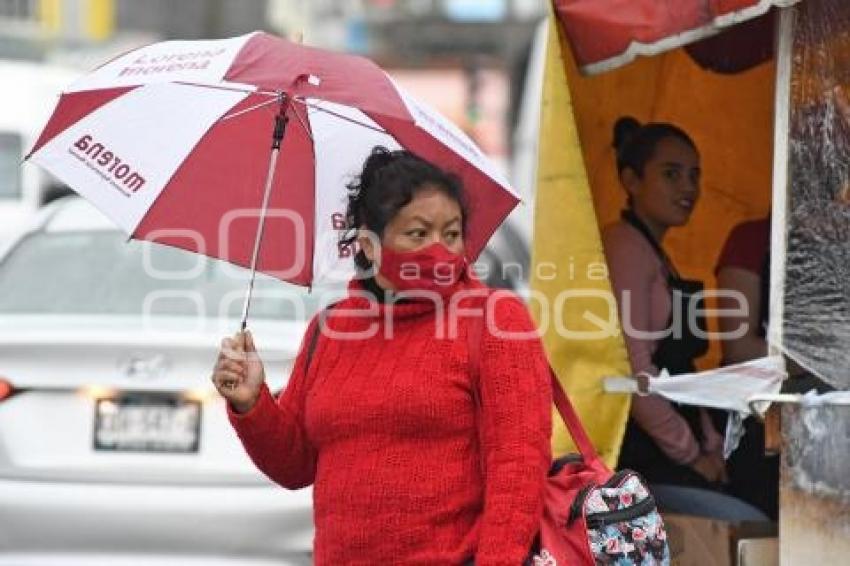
565,250
730,117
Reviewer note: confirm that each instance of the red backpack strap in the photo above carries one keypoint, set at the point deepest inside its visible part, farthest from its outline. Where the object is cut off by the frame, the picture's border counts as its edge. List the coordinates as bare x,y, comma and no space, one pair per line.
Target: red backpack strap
474,338
571,420
313,340
562,402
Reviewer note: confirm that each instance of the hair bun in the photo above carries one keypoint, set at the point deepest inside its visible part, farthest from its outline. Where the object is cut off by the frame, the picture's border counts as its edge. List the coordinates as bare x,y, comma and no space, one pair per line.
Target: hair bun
377,160
624,131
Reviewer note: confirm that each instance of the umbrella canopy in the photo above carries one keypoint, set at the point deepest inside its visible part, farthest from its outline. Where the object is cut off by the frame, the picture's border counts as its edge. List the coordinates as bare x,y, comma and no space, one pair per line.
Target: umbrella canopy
172,142
605,34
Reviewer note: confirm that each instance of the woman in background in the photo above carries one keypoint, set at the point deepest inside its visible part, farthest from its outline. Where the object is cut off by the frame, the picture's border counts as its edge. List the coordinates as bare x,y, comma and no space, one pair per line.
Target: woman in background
676,447
659,168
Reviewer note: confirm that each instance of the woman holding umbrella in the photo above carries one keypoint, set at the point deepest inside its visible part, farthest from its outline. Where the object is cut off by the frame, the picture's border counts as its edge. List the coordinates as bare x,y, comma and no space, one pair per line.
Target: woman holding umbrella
413,458
385,423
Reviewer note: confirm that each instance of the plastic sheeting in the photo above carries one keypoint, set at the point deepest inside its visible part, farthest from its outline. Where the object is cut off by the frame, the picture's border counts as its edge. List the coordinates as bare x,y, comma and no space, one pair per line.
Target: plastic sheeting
817,271
728,387
731,388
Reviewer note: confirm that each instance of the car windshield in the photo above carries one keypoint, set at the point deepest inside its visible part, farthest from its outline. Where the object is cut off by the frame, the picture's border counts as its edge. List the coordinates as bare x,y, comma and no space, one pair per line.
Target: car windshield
99,272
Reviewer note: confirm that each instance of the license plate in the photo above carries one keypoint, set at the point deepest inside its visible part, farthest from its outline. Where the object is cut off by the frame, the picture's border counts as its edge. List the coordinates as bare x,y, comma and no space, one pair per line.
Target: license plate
146,422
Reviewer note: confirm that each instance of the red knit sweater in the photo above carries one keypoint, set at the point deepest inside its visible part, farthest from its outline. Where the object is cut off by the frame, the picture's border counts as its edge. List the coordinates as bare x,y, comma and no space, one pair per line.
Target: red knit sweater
387,431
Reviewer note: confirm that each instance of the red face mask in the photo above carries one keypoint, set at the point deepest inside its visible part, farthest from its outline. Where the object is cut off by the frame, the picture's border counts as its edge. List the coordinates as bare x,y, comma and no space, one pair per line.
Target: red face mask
432,268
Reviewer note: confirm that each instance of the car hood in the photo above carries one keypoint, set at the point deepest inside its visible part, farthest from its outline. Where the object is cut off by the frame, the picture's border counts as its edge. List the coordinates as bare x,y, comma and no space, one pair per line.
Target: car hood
163,353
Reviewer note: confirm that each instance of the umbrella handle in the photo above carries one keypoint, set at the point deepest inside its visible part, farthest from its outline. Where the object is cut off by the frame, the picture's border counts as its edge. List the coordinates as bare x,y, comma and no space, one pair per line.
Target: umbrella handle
280,121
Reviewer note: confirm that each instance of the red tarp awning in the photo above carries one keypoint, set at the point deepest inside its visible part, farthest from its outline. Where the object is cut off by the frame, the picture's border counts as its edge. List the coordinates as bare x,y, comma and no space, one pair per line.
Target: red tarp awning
605,34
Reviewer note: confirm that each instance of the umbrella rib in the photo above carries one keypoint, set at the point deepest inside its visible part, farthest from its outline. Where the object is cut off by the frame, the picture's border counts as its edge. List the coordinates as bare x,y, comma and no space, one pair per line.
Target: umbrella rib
231,87
268,103
249,109
300,118
303,124
341,116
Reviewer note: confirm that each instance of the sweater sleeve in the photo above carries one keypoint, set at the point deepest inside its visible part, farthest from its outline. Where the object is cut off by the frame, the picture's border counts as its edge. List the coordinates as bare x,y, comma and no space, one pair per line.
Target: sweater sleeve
273,432
712,440
516,427
633,269
657,417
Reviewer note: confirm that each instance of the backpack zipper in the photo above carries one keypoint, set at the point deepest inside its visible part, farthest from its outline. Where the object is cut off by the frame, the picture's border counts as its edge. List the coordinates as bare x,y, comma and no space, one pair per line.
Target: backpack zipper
643,507
578,503
559,464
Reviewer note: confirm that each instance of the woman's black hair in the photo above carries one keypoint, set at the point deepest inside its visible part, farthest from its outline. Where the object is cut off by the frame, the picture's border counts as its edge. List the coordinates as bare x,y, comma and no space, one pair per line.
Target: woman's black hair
388,182
636,143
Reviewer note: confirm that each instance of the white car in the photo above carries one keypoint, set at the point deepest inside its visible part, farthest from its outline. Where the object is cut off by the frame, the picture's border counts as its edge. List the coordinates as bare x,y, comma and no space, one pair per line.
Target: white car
114,447
31,91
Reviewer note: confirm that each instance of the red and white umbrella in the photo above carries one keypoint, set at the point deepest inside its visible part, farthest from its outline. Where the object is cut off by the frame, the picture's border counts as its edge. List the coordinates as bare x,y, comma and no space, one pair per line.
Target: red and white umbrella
173,142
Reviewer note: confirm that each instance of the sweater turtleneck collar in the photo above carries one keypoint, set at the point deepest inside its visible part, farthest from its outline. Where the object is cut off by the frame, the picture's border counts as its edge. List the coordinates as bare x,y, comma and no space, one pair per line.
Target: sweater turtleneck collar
381,295
366,293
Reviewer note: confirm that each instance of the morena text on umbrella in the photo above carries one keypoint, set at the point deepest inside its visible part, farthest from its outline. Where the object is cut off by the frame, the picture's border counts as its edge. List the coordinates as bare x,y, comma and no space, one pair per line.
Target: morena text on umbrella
179,56
171,62
108,164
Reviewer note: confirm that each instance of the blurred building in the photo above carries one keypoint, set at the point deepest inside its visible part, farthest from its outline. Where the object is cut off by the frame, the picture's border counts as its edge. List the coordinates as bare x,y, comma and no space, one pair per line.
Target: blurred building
413,32
195,19
74,31
395,32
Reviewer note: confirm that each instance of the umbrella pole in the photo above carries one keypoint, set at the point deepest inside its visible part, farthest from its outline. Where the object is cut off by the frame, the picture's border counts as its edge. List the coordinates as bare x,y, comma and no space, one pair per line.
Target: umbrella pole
280,121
